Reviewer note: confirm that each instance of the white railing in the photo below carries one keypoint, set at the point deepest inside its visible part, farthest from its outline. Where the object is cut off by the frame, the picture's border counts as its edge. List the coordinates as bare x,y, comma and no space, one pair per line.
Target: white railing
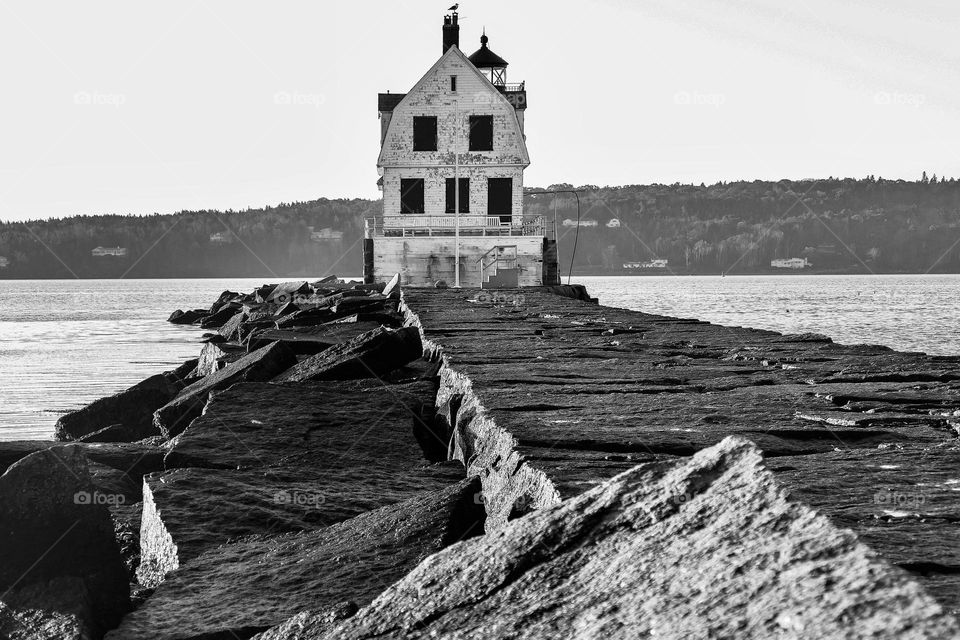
440,222
417,224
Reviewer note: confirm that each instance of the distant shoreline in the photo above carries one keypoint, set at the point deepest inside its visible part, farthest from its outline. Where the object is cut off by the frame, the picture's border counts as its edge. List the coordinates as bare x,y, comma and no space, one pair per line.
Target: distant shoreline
576,274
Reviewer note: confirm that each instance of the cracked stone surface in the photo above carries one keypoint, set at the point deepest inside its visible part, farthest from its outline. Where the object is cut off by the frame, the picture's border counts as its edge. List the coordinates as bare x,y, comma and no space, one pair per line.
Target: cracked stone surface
550,396
702,547
238,589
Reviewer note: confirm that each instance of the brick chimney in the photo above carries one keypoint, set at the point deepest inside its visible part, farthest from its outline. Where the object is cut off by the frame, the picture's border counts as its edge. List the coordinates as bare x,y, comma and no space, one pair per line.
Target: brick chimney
451,32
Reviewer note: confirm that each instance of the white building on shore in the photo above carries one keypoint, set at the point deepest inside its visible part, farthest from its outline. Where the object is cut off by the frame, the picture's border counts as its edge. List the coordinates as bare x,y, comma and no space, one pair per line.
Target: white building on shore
790,263
657,263
4,262
99,252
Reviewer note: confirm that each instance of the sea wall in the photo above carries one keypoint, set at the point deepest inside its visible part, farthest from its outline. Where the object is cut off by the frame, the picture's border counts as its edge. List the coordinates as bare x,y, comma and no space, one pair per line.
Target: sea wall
354,461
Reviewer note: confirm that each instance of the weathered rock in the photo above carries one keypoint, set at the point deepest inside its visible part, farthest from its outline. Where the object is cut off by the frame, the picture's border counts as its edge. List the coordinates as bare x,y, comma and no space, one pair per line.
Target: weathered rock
189,511
310,340
338,427
364,304
132,458
224,299
113,433
230,329
218,319
214,357
708,547
60,567
52,610
262,364
189,316
182,373
306,317
370,354
249,327
441,284
287,291
256,583
132,409
391,286
307,624
301,343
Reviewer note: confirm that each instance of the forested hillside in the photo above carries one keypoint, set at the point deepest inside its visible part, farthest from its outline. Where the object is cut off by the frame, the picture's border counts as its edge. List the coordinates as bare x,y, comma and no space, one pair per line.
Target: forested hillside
739,227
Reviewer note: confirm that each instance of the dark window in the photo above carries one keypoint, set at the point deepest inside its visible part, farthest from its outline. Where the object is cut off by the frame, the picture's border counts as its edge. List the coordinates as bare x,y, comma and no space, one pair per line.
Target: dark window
481,133
464,195
424,133
500,198
411,195
453,83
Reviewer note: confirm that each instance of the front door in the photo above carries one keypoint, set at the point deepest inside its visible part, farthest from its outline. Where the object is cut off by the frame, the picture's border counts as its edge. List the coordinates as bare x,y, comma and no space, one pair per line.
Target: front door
500,199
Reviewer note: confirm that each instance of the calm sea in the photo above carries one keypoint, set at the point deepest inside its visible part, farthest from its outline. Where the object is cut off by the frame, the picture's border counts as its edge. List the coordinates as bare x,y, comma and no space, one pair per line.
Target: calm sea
64,343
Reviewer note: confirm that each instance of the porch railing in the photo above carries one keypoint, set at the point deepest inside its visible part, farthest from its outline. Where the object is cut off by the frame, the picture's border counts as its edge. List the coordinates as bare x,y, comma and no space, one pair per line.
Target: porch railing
424,225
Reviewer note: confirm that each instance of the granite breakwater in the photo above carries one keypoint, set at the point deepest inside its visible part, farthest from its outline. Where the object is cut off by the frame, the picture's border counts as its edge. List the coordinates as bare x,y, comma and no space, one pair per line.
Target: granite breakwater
347,460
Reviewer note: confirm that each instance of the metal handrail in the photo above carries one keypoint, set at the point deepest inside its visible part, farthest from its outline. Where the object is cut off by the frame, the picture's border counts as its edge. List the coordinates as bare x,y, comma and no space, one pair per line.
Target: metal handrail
514,259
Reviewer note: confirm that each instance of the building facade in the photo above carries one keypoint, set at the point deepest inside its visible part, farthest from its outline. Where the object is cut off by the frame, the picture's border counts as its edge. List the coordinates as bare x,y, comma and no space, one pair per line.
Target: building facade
451,162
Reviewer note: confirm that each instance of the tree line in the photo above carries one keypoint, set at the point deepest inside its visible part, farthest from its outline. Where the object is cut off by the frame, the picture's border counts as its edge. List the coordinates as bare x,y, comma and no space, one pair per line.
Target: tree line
839,225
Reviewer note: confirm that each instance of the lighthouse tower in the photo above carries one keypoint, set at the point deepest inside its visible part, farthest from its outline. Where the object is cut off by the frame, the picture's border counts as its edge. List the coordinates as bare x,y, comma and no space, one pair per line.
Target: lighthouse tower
452,155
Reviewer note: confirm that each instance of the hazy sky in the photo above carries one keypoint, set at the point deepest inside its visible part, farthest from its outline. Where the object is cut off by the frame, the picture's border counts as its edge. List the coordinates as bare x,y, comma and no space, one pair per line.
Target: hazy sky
133,107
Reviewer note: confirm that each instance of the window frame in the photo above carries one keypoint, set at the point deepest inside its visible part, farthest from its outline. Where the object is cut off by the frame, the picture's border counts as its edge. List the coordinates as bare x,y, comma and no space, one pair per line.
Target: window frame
418,140
406,185
475,120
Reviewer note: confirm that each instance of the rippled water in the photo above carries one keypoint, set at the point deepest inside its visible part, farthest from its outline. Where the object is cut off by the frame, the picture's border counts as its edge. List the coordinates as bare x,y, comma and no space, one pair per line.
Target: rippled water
908,312
64,344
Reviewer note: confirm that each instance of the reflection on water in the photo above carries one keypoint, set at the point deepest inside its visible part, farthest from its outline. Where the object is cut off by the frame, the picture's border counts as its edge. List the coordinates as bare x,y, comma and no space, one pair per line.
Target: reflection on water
64,344
909,312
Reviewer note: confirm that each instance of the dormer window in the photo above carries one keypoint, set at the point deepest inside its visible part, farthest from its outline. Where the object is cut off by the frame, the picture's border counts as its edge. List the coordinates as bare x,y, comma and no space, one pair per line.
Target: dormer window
424,133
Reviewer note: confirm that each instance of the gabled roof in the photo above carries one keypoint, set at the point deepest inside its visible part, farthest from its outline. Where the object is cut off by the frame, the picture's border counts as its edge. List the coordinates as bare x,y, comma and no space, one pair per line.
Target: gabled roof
452,52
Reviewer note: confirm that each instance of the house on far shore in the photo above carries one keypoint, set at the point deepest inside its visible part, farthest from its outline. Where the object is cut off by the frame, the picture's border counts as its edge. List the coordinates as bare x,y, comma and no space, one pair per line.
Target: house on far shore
658,263
4,262
325,234
583,223
790,263
221,237
613,223
108,251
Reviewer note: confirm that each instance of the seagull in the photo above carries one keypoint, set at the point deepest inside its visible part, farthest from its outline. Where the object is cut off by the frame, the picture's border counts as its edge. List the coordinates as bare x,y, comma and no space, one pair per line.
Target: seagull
454,7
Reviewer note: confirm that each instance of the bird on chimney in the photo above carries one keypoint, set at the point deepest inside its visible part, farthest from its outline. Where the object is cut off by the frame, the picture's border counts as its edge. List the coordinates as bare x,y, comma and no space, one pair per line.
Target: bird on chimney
454,7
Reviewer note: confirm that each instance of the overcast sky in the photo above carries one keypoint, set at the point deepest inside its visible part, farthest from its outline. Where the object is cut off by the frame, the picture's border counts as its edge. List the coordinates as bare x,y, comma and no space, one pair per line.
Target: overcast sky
132,107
